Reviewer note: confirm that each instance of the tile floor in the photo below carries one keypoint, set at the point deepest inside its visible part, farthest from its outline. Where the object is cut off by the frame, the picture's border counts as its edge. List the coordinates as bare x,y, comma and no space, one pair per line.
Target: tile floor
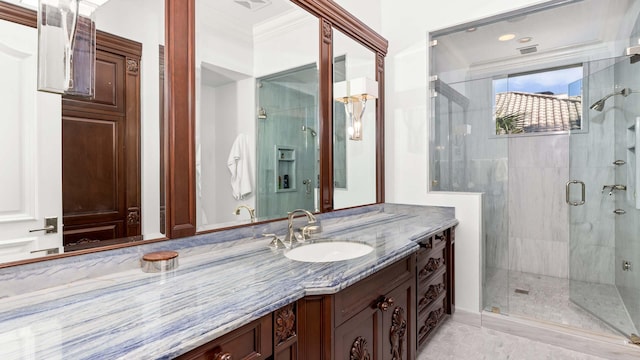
549,299
457,341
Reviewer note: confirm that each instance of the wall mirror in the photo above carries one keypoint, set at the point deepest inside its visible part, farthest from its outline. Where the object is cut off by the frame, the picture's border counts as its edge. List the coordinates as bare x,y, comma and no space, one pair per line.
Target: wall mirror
257,119
354,161
103,153
301,70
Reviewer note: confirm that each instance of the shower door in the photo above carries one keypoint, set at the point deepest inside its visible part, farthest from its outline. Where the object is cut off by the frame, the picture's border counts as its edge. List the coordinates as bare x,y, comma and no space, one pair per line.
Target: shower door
601,197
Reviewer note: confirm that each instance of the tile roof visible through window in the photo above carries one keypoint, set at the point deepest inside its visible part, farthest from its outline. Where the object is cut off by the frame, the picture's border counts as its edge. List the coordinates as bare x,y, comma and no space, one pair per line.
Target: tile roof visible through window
540,112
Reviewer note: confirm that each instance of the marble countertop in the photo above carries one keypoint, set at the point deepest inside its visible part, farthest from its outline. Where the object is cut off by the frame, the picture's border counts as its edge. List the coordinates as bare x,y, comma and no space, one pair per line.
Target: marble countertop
135,315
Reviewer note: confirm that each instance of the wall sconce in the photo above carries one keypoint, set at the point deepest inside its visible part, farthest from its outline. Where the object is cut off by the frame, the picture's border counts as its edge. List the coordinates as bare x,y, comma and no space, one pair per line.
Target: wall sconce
67,46
354,95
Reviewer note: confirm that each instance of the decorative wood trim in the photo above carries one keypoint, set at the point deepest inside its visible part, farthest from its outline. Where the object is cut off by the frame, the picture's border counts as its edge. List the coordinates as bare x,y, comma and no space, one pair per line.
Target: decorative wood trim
326,31
432,293
285,324
380,111
133,140
397,333
432,265
345,22
132,66
133,216
119,45
359,349
431,322
180,116
18,14
326,116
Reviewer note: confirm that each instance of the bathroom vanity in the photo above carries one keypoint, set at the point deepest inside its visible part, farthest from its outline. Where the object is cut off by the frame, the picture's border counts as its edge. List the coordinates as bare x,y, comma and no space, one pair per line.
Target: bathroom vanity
233,297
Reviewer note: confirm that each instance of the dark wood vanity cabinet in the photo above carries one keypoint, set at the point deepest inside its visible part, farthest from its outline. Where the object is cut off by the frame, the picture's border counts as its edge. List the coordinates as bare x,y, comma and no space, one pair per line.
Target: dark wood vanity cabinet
372,319
252,341
434,282
273,336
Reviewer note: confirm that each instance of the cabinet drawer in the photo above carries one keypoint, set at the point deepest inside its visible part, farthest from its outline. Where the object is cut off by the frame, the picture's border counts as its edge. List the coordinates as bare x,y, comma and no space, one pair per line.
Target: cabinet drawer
252,341
431,318
431,290
351,300
430,264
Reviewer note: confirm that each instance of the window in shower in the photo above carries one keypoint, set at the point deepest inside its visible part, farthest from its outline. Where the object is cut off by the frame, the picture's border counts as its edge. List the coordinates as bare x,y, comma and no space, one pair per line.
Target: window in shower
542,101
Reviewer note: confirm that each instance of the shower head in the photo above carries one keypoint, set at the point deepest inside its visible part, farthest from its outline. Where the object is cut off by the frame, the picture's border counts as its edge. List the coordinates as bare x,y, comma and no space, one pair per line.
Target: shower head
599,105
305,128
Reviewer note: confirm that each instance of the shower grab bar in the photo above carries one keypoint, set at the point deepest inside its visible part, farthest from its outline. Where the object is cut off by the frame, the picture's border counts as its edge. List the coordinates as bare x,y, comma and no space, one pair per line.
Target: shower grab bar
567,191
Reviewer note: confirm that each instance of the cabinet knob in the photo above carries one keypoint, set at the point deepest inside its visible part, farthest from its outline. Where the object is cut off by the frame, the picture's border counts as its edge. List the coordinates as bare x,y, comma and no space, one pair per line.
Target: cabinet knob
385,303
223,356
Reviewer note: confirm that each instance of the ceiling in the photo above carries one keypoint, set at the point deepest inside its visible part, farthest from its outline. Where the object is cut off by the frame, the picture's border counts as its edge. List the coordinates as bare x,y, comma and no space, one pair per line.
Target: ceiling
575,26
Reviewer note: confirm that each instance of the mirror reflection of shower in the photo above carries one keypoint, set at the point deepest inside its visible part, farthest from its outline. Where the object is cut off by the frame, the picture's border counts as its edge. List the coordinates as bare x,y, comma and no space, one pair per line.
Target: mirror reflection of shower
287,142
599,105
310,130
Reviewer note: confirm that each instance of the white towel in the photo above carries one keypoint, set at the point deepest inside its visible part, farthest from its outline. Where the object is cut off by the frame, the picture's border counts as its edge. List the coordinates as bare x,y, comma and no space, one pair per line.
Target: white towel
238,164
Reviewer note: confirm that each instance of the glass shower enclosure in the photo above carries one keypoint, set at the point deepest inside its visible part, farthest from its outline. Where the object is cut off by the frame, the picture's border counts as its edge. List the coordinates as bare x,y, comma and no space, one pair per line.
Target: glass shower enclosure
560,211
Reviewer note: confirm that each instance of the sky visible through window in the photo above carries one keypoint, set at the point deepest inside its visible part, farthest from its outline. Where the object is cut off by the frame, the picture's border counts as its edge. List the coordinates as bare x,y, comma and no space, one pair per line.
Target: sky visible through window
555,81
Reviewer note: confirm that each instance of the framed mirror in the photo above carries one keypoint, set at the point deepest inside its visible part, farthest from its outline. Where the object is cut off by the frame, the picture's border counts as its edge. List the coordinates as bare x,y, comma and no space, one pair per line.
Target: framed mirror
168,167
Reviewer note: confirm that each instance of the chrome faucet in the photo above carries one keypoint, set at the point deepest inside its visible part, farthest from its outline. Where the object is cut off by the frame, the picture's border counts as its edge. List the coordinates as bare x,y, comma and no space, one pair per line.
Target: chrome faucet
290,239
613,188
252,212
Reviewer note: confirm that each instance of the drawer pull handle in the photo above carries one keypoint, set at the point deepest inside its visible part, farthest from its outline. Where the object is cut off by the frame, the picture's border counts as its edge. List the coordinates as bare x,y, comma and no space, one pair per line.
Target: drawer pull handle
426,245
432,293
385,303
432,265
223,356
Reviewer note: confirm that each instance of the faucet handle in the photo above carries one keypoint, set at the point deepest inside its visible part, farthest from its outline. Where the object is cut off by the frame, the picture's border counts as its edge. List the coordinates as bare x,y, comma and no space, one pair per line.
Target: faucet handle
308,230
275,243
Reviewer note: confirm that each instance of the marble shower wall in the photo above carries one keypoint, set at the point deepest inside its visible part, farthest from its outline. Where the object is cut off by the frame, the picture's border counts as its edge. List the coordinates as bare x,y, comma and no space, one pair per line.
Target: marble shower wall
627,226
538,224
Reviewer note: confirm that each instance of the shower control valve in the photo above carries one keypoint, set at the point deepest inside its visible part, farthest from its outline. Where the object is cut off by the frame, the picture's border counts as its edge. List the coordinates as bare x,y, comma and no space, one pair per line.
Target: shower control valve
613,188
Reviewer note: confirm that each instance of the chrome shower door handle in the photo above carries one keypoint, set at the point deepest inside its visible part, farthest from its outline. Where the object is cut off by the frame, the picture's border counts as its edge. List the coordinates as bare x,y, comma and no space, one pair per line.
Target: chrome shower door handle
568,191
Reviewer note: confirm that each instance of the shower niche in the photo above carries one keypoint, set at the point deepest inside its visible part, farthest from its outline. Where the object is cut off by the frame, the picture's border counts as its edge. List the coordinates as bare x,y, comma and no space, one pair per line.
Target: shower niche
285,175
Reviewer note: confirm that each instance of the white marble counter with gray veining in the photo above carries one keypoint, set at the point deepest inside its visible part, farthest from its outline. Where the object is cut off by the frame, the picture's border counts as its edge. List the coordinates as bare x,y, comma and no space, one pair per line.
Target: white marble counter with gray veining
225,280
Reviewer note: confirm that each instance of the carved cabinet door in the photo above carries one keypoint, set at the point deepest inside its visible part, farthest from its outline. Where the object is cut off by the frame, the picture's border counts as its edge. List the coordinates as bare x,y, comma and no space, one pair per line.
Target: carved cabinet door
397,321
360,338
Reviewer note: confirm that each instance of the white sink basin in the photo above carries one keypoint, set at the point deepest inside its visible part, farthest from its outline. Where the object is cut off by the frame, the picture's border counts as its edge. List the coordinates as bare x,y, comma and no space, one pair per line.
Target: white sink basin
328,251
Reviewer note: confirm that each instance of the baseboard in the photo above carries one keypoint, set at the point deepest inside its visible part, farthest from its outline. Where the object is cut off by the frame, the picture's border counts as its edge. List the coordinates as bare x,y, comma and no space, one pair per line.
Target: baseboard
467,318
587,342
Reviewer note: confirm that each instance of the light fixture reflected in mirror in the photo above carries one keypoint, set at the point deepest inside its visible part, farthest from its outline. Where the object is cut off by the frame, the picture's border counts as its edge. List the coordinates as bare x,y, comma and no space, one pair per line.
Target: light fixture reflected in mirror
354,94
67,46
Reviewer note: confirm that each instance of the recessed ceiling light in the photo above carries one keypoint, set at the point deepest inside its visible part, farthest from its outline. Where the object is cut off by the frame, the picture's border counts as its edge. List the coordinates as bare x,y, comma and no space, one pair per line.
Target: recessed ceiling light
471,29
507,37
525,39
